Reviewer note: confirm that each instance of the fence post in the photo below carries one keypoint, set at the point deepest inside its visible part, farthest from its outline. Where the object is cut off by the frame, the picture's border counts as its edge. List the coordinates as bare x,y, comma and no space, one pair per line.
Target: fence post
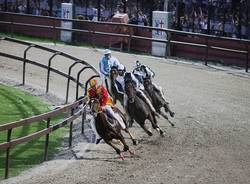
54,31
24,61
47,142
11,27
71,128
92,32
206,51
168,44
129,39
7,163
48,73
247,61
69,75
78,78
24,68
83,117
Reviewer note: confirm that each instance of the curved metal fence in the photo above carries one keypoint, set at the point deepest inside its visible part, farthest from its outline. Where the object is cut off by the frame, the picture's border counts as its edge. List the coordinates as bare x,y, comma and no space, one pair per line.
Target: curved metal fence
74,110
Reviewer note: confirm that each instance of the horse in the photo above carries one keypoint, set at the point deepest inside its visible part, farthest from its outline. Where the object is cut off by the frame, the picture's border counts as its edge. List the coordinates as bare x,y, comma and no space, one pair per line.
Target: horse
139,110
157,100
108,128
115,94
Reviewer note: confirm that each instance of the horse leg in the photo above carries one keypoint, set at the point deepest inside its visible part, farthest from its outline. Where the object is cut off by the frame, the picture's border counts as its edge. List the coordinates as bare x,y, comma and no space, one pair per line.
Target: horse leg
131,136
166,117
167,109
155,125
118,151
143,125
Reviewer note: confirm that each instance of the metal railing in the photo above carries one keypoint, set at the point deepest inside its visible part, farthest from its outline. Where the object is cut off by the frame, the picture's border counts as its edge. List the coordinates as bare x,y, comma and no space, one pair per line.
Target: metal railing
48,67
76,109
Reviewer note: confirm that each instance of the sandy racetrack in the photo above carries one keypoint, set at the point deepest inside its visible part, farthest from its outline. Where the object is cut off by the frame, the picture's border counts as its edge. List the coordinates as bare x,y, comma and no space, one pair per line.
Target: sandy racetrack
210,144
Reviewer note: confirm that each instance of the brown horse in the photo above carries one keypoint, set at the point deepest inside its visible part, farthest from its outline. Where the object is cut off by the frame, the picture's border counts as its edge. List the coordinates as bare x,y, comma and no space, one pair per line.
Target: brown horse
157,100
108,128
115,94
139,110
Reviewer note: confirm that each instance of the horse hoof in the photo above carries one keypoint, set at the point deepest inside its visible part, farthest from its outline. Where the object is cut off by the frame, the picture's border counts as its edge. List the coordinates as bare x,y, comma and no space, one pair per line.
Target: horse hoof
134,142
149,133
131,152
172,114
122,156
162,134
157,115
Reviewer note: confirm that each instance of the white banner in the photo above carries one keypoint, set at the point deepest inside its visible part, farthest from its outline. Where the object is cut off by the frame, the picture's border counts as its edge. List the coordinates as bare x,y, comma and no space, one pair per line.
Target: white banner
161,19
67,13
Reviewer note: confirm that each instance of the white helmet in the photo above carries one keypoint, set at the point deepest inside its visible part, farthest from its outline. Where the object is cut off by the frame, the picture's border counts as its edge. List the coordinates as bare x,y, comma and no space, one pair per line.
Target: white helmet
121,67
137,64
107,51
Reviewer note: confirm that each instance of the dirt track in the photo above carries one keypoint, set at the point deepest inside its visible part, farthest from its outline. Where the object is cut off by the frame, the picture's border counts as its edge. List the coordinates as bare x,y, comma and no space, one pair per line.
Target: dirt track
210,144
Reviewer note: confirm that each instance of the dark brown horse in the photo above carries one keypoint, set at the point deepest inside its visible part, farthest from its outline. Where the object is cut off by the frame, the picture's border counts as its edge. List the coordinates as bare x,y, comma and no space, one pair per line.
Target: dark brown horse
139,110
108,128
157,100
115,94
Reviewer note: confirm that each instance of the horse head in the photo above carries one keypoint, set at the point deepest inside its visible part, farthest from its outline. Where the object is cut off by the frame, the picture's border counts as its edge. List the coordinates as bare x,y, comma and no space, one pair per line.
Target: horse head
113,73
130,91
147,83
95,105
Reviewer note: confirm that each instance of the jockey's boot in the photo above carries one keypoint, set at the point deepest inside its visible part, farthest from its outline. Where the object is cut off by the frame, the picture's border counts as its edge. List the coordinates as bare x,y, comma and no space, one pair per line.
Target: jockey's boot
98,141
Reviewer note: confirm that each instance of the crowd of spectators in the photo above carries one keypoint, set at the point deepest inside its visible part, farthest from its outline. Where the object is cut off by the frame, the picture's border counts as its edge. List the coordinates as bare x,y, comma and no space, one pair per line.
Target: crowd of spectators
218,17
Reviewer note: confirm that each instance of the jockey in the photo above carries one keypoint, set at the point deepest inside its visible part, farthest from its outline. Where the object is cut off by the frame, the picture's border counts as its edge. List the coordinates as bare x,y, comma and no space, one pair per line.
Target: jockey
92,94
101,93
129,76
119,81
142,71
106,63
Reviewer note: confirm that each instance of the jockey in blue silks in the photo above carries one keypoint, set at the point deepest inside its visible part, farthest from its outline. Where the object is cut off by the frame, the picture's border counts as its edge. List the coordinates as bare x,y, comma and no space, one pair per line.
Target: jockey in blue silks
105,65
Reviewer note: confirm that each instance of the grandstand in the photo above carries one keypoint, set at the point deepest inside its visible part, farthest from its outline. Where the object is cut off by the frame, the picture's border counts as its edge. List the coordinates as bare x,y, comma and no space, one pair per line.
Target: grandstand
228,18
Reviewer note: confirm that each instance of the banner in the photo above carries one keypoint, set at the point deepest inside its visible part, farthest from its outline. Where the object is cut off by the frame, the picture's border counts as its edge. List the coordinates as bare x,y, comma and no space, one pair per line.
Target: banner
67,13
161,19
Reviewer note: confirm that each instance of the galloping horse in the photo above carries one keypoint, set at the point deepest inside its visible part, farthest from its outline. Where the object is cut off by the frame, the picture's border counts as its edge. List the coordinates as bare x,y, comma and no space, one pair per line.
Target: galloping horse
115,94
157,100
108,128
139,110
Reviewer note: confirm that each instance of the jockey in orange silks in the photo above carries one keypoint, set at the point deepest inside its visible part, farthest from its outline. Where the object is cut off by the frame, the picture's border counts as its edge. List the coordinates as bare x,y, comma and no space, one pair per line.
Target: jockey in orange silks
106,103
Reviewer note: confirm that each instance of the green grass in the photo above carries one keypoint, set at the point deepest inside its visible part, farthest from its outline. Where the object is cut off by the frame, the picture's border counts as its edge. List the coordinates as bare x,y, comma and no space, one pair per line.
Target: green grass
16,105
